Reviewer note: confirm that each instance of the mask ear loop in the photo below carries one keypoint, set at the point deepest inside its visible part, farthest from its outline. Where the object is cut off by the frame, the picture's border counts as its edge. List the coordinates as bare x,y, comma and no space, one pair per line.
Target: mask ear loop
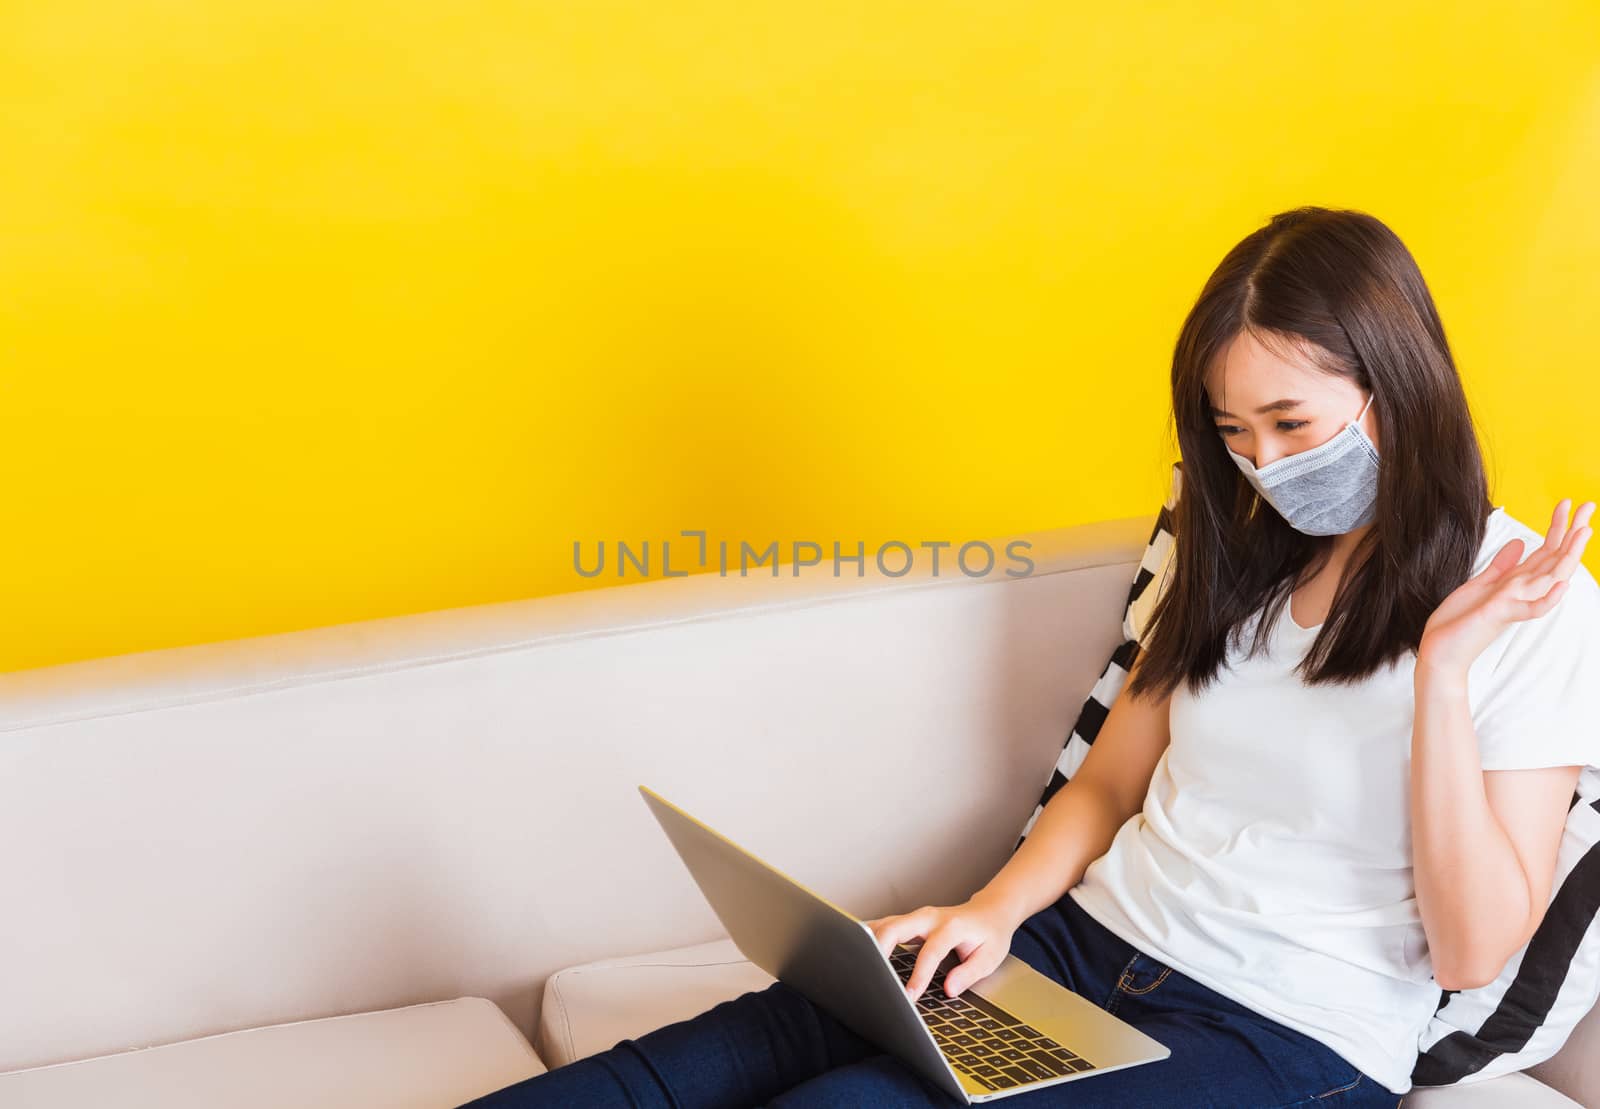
1370,447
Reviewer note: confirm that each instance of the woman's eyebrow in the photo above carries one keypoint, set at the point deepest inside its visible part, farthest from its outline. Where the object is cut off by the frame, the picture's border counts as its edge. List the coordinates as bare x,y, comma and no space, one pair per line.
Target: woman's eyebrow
1275,406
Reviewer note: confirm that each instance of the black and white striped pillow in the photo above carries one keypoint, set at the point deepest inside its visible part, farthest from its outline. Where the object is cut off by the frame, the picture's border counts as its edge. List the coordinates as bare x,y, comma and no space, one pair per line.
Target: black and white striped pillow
1526,1014
1141,599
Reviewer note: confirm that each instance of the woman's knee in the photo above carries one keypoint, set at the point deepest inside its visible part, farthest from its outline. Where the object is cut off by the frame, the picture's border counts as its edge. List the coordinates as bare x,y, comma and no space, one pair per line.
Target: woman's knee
880,1080
794,1019
778,1000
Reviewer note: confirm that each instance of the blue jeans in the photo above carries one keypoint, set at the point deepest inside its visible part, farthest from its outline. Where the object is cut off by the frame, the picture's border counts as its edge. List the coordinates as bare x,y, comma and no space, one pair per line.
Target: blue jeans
773,1047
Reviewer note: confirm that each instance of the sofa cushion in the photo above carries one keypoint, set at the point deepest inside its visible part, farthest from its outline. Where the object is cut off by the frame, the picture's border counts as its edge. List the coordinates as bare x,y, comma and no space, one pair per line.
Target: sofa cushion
1509,1091
590,1007
430,1056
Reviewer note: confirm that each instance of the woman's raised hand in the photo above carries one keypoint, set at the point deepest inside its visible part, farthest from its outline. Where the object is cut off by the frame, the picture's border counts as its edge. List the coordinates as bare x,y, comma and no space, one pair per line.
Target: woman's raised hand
979,931
1506,591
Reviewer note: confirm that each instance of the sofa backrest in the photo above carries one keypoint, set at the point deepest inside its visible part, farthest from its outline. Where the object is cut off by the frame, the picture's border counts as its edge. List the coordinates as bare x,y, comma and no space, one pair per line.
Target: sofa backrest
425,807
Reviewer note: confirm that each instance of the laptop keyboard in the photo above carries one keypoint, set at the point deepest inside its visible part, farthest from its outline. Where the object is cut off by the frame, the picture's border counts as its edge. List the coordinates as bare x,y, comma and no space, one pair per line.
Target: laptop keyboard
981,1040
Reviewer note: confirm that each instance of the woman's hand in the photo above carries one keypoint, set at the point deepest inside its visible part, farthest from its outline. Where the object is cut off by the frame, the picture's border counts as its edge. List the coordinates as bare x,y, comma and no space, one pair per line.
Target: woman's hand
979,931
1505,592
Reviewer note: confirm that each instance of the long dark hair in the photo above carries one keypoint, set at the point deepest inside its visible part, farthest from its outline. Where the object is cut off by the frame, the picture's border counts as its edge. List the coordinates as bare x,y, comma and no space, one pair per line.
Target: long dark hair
1338,287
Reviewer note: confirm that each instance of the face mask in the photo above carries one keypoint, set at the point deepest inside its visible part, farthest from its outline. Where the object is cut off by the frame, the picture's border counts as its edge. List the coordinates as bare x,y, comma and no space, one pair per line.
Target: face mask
1327,490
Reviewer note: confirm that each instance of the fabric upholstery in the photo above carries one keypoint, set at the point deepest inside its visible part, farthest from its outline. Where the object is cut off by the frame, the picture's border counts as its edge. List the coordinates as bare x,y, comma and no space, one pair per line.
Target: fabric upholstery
354,818
429,1056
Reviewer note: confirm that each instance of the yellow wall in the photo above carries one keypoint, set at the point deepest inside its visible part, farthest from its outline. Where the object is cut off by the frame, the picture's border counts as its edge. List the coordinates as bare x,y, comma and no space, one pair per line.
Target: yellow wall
313,312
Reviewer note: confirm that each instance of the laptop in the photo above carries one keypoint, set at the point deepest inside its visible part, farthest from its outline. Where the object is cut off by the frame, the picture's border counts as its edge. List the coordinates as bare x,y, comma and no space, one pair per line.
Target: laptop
1012,1031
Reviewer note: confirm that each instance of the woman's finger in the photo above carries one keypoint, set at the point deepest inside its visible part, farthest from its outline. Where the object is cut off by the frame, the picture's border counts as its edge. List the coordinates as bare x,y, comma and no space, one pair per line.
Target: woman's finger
1532,610
1556,566
1558,540
1558,524
898,929
972,969
940,942
1580,522
1504,559
1579,519
1573,555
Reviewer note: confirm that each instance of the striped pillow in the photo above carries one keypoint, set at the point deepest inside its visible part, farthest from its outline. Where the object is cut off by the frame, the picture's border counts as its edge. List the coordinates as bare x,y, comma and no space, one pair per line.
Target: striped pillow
1141,599
1526,1014
1521,1018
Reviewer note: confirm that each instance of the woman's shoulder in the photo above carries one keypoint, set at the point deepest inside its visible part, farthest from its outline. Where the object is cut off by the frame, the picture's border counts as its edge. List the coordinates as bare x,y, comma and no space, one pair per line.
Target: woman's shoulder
1531,686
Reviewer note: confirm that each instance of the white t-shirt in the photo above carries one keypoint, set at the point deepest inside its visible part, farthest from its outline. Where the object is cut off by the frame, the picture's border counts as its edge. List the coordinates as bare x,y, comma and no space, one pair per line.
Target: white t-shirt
1272,859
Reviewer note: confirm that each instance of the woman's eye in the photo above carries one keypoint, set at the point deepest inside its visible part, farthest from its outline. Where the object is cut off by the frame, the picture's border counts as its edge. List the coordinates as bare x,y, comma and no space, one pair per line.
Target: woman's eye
1283,425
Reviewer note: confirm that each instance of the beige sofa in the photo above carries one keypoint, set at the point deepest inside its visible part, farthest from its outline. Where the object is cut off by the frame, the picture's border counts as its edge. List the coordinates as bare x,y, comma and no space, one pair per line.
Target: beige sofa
372,864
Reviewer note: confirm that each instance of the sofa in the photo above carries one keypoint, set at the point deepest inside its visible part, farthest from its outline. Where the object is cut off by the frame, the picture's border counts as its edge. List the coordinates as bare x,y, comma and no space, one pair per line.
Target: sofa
404,862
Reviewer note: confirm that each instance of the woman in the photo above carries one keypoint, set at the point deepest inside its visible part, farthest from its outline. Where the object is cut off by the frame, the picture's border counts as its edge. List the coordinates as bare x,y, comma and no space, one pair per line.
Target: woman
1295,826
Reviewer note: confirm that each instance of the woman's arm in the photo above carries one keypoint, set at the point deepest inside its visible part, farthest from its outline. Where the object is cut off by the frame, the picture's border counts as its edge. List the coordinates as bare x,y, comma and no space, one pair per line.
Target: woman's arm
1078,823
1074,829
1483,843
